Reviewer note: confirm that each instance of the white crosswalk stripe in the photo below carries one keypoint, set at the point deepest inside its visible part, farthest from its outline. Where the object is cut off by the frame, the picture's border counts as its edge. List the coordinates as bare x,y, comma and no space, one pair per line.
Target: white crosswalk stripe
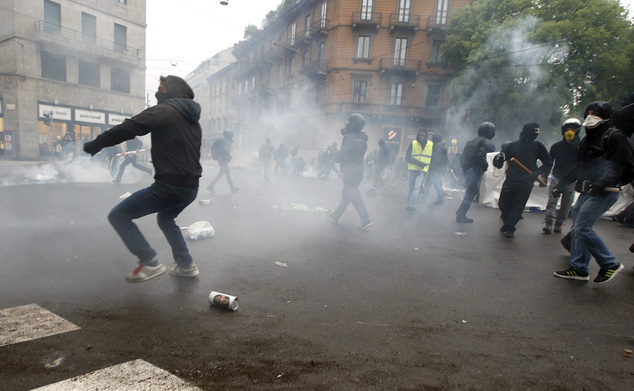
28,322
137,375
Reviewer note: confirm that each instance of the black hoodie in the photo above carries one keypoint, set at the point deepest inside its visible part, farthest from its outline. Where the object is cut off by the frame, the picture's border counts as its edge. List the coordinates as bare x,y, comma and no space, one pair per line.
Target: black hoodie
176,139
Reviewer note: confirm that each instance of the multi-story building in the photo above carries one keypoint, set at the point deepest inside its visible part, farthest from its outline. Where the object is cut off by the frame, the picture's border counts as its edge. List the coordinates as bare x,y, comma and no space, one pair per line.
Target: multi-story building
321,60
68,66
209,94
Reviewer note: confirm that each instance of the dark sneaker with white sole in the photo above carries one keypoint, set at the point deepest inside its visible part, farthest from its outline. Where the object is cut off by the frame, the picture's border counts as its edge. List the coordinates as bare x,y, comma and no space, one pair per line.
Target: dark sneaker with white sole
365,225
573,274
145,272
606,275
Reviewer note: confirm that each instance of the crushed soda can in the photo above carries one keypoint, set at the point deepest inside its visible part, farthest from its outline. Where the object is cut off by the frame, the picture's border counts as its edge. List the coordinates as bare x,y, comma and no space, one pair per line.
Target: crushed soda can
627,353
204,202
224,301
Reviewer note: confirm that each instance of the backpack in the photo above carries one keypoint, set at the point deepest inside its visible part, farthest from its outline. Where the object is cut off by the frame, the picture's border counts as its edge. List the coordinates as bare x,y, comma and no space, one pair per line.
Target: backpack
216,149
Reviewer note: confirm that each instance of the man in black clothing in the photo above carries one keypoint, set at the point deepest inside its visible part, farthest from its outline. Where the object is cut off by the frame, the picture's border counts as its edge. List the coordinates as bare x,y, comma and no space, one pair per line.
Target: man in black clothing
564,156
518,184
437,168
133,146
605,162
381,162
223,162
474,163
350,157
176,141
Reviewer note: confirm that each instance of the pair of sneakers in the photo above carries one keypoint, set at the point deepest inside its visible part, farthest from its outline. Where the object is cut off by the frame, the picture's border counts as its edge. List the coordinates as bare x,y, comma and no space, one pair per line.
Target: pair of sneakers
146,272
605,275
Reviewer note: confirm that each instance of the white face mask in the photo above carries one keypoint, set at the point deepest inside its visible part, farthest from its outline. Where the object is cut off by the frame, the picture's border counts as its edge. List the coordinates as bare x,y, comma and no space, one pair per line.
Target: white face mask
592,121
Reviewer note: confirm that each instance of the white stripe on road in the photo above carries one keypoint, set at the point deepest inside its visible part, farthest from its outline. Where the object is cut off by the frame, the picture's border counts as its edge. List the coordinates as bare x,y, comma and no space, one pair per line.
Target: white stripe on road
136,375
27,322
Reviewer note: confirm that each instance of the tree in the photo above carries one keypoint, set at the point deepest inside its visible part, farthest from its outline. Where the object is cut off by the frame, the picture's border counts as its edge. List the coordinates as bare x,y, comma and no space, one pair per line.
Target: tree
532,60
250,30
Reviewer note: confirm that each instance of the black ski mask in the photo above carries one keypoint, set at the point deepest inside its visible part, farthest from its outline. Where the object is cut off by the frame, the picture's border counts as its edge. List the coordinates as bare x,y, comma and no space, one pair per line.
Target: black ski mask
162,96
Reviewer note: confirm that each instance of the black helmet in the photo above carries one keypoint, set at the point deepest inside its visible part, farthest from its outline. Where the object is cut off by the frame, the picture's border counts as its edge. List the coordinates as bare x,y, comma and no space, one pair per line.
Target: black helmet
486,129
228,135
356,122
604,109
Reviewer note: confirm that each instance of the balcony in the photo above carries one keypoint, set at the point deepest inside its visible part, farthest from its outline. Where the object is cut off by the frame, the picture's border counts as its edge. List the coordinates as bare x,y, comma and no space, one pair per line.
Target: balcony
264,88
435,27
53,33
320,27
414,112
404,23
392,66
366,20
303,38
315,69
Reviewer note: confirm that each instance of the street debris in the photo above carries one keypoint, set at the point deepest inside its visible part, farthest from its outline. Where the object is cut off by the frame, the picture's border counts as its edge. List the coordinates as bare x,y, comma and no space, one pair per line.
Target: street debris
200,230
281,264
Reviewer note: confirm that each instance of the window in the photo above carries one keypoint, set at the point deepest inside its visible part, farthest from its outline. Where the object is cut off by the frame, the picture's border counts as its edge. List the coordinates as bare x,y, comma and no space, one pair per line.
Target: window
279,72
52,16
88,27
324,12
120,80
307,22
363,46
442,12
291,67
396,94
400,51
89,74
404,7
293,33
366,9
120,37
360,90
436,52
53,66
433,96
321,54
304,58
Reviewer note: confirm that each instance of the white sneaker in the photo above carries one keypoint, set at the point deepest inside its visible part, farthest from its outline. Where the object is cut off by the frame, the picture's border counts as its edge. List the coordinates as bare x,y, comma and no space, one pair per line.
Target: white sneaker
191,271
145,272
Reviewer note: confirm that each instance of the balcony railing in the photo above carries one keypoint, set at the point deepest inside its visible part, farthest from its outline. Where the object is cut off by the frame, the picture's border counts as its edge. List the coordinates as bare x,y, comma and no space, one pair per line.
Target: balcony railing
366,19
375,108
315,68
58,33
406,22
320,26
397,65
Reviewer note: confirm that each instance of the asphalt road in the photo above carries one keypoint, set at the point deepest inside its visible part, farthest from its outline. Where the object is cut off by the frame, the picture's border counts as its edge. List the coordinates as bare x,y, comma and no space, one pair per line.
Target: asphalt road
418,302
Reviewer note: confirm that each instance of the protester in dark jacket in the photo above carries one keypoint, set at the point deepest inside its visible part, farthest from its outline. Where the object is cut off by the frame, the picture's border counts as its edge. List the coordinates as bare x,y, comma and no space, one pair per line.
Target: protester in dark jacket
437,168
224,146
564,156
518,183
176,141
350,157
605,163
381,162
474,163
132,147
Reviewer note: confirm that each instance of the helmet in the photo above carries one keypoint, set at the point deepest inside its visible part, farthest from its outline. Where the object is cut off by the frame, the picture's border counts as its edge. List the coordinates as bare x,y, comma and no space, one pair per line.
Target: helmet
604,109
571,124
486,129
356,122
228,135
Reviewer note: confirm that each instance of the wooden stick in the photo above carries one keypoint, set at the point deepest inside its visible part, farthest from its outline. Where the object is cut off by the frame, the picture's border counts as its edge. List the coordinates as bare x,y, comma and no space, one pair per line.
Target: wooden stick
540,180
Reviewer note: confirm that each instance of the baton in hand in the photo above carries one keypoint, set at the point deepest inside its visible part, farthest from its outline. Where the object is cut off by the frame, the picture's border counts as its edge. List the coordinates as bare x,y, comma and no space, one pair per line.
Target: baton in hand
540,180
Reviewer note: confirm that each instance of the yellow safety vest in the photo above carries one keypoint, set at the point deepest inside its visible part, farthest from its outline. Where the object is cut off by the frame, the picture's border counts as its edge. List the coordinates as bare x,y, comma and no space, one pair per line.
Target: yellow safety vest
422,155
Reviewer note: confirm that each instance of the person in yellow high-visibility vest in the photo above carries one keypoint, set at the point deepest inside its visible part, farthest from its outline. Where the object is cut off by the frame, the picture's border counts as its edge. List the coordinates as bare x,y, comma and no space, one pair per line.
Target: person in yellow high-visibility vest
418,157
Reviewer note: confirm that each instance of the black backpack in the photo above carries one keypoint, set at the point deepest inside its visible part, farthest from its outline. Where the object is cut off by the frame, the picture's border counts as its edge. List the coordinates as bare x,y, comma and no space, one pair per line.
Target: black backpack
216,149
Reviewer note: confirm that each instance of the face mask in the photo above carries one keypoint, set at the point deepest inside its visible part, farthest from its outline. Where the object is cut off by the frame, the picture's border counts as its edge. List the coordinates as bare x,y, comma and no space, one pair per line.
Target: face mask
570,135
592,121
162,96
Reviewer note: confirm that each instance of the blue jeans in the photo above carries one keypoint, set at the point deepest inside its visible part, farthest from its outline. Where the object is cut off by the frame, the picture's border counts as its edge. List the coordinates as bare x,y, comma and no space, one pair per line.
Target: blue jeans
585,242
168,202
416,179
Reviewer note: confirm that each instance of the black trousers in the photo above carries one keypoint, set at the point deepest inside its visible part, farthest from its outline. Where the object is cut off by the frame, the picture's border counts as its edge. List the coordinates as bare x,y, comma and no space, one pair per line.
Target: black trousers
352,178
472,182
513,199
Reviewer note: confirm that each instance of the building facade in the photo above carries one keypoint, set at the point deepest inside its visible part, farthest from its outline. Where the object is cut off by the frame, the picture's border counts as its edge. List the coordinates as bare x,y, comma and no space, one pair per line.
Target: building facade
320,60
68,68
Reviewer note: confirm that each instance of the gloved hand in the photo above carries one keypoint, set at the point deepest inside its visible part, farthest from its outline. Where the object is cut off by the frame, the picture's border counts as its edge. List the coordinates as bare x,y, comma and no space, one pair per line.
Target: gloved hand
595,189
556,192
92,148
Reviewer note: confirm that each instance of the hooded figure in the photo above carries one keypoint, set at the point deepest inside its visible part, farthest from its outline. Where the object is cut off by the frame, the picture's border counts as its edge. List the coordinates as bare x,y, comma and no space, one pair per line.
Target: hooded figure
474,163
350,157
605,162
518,183
176,141
564,155
224,158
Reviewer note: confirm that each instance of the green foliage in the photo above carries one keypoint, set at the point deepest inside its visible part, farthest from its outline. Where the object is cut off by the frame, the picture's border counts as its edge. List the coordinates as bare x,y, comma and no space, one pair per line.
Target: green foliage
250,30
526,60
